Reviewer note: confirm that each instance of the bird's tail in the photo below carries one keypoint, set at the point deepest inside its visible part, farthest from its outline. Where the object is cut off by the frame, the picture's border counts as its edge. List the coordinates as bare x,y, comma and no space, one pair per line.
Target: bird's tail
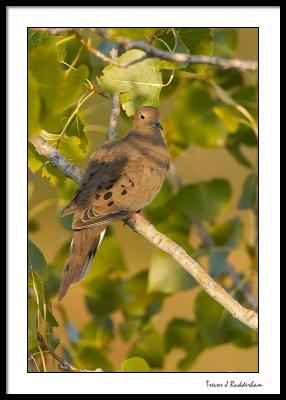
82,250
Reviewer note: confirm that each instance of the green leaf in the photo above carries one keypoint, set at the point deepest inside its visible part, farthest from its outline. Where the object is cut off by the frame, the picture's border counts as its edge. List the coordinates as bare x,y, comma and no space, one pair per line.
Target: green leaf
36,261
135,364
138,85
199,41
212,320
70,89
35,160
140,305
90,357
33,106
53,174
32,324
241,335
243,136
227,234
166,276
229,116
49,77
77,128
68,146
203,200
225,42
132,33
99,331
151,348
109,258
248,198
180,333
104,295
194,119
51,319
38,287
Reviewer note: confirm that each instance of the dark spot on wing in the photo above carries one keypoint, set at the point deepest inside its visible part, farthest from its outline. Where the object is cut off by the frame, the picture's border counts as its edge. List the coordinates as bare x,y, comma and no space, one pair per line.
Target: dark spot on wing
110,203
107,195
124,191
123,186
97,196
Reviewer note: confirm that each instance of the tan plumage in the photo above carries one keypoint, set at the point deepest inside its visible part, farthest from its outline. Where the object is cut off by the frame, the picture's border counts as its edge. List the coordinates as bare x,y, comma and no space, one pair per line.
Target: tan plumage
123,176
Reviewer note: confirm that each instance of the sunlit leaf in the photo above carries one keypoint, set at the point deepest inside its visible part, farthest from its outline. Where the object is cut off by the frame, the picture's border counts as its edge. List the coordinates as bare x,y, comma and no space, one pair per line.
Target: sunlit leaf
35,160
135,364
132,33
140,84
68,146
229,116
99,331
166,276
151,348
70,89
77,128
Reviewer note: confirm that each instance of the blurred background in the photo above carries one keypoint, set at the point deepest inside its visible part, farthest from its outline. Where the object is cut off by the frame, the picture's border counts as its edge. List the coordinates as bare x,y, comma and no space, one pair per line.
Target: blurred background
130,304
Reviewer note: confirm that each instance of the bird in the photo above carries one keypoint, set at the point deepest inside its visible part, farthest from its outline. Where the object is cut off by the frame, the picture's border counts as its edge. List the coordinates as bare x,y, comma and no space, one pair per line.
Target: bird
122,177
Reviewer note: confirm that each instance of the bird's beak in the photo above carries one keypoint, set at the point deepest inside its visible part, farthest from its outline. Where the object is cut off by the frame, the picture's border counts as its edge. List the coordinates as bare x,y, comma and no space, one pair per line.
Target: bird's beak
157,125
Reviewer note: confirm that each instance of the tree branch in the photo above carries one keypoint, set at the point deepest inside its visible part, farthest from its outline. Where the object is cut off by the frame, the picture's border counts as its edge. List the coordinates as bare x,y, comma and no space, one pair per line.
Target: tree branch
115,104
190,59
140,225
151,51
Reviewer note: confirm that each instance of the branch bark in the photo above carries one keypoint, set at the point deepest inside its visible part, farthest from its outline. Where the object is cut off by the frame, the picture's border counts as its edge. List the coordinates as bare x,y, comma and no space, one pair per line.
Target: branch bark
141,226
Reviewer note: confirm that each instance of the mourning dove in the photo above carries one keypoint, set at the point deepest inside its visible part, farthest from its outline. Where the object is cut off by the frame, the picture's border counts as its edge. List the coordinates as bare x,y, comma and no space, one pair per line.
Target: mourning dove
123,177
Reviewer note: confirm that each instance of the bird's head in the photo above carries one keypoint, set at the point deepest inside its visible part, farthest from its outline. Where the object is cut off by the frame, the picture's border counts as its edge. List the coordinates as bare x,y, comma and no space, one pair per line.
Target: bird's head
147,118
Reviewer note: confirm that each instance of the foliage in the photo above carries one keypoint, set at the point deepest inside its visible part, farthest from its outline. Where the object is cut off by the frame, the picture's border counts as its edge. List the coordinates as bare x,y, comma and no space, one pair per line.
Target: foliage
210,108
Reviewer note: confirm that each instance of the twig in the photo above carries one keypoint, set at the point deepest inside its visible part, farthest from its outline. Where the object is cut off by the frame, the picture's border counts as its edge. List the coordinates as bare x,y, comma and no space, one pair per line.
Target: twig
63,365
140,225
115,104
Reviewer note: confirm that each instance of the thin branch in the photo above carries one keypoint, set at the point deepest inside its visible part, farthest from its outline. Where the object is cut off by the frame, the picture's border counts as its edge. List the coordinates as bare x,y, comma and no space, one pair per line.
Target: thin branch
151,51
140,225
63,365
115,104
190,59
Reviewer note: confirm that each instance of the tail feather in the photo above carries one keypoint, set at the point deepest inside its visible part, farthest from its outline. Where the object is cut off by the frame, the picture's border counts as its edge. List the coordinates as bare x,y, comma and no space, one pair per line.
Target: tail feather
83,247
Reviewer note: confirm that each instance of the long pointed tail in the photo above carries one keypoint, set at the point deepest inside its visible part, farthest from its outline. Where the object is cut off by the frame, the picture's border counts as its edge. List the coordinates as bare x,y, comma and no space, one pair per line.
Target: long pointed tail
82,251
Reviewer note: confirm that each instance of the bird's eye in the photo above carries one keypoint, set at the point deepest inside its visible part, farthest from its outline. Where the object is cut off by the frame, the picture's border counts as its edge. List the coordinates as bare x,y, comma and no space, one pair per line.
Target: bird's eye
142,116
